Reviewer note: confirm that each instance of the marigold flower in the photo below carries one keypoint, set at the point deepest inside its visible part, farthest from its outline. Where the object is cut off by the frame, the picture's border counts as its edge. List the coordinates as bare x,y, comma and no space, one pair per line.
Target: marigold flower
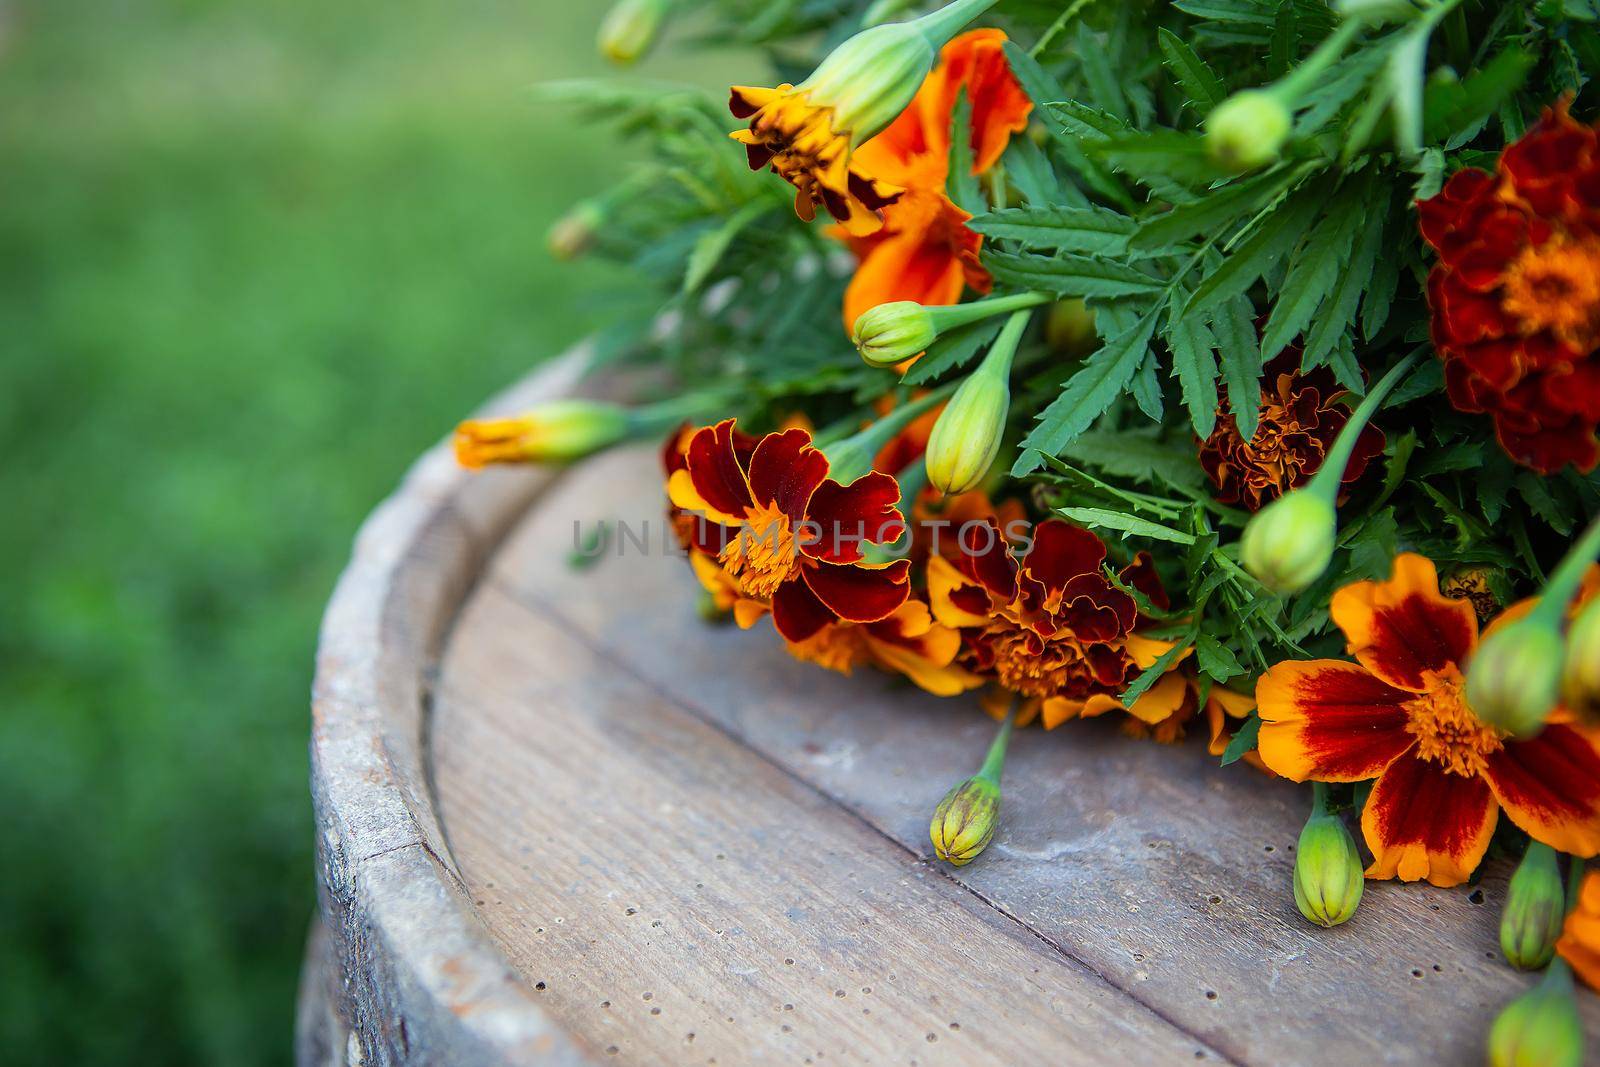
1051,627
925,252
1515,295
907,642
1399,714
1579,943
555,432
786,533
808,132
1300,417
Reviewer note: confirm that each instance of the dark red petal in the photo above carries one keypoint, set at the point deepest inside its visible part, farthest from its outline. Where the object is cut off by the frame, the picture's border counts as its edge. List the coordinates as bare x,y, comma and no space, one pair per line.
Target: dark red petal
1061,552
715,469
840,517
859,594
1550,787
986,558
785,470
1423,822
796,611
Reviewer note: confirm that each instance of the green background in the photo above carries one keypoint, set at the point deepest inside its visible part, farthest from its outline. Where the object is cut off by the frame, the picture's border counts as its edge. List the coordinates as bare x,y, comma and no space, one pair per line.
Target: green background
257,255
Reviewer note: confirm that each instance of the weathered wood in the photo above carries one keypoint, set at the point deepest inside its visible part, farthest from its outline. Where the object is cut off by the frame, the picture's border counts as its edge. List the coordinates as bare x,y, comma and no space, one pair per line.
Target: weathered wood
1148,864
520,770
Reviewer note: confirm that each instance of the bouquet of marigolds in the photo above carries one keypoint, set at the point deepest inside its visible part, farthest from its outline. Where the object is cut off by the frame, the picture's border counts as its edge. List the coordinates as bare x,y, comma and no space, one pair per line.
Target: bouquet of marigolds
1227,367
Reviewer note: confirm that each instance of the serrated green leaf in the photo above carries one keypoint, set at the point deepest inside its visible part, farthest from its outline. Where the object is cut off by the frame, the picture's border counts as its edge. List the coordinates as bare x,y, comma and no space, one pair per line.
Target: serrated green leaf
1146,389
1340,309
1093,230
1068,274
1285,40
1216,659
1029,169
1104,88
1536,492
1202,86
953,350
1127,525
1085,121
1151,674
1452,107
1169,162
1239,349
1040,87
1244,740
1312,273
1212,211
1086,395
1138,457
1194,364
1273,238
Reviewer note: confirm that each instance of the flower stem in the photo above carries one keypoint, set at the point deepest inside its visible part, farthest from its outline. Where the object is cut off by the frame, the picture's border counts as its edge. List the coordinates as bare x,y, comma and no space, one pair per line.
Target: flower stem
1319,798
1293,85
1558,591
1330,475
939,26
994,763
997,362
954,315
851,457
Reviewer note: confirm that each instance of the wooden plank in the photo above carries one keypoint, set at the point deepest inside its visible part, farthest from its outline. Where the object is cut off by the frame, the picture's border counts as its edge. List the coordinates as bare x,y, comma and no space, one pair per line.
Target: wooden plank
1163,873
675,898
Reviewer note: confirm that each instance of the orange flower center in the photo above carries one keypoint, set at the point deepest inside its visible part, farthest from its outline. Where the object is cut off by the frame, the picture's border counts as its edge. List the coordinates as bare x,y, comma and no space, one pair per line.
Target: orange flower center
763,554
1556,286
1447,731
1028,664
837,647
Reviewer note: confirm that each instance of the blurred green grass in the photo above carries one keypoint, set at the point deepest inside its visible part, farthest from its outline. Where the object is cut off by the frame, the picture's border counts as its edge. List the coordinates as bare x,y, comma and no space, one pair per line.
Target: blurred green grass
256,255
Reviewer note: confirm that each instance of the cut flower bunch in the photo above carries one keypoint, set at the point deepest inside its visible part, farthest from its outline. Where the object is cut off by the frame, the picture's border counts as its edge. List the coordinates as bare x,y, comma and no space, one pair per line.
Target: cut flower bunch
1220,367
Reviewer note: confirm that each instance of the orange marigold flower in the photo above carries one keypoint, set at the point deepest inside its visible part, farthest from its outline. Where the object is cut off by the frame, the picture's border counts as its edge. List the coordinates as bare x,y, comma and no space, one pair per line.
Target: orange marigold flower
1516,292
907,642
925,251
1051,627
1399,715
1580,938
1300,416
786,534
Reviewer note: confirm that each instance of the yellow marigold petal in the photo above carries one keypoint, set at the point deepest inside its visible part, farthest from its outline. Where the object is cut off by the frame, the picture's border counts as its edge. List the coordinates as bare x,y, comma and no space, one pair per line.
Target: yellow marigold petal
943,581
1161,700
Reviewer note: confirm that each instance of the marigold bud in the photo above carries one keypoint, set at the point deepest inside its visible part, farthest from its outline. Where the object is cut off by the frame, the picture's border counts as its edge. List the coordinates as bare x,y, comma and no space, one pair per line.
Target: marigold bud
629,29
551,433
1514,679
573,234
966,438
870,78
1328,878
1536,908
1580,678
894,332
1541,1028
964,821
1247,130
1289,543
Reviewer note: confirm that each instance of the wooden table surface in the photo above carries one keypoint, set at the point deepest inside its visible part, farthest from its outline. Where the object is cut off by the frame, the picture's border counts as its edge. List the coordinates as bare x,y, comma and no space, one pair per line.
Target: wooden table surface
591,828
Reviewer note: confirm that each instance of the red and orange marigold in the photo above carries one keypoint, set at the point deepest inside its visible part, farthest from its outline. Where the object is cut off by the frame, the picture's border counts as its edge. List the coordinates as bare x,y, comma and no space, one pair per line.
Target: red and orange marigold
1300,416
1580,938
1516,292
783,532
1399,715
1051,627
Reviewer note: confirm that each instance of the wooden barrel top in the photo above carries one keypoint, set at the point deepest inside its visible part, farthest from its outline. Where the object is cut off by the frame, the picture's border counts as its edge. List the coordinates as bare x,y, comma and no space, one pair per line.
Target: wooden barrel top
563,820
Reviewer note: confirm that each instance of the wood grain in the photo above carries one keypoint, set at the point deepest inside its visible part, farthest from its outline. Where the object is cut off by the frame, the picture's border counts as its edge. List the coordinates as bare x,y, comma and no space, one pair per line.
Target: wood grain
1145,865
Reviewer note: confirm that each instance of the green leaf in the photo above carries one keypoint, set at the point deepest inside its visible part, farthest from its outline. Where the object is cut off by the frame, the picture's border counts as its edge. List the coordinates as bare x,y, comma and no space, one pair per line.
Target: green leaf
1340,309
1040,87
1029,170
1104,88
1084,121
953,350
1244,740
1152,674
1087,394
1313,273
1274,236
710,246
1068,274
1127,525
1212,211
1404,74
962,184
1136,456
1195,366
1451,107
1240,349
1146,389
1534,490
1285,40
1200,84
1216,659
1169,162
1062,229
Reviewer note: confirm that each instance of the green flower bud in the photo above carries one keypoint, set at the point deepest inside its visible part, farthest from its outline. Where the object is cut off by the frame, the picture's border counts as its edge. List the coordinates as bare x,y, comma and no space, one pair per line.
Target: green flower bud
894,332
1580,677
1541,1028
1514,679
573,234
1536,908
1328,878
964,821
630,28
1246,130
1289,543
1376,12
553,432
966,439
